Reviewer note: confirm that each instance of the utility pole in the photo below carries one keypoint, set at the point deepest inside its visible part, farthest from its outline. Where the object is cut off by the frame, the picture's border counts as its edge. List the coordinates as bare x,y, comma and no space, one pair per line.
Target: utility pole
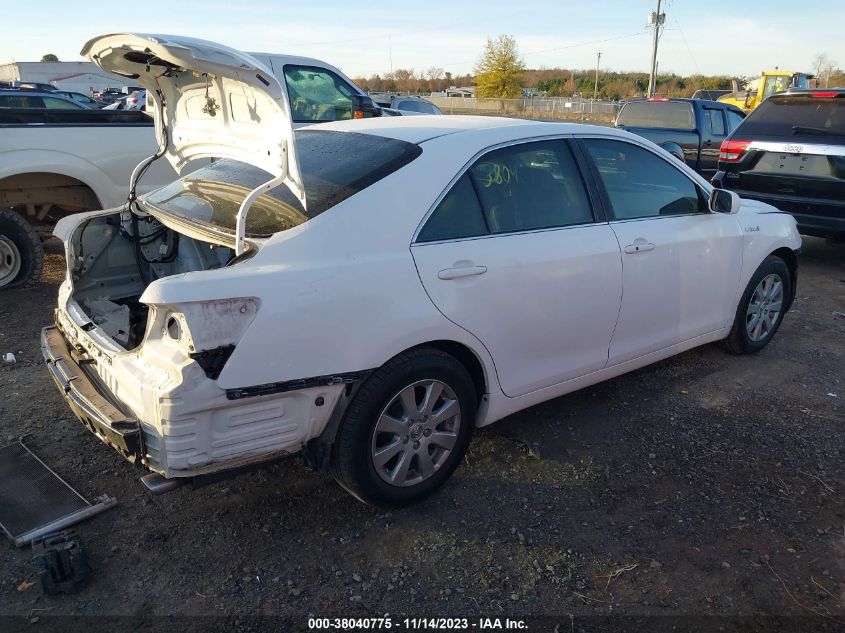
596,89
655,21
390,53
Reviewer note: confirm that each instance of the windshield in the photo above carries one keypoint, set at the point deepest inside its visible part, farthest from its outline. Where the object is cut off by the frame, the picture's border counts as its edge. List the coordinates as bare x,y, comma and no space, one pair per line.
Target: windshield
334,166
778,115
664,114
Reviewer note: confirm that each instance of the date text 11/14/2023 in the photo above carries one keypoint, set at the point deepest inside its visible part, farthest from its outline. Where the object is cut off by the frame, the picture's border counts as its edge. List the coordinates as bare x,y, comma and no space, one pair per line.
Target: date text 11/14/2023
416,624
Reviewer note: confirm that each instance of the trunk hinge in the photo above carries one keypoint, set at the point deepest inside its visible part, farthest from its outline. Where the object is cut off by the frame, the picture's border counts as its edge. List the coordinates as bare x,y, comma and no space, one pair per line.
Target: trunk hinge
282,179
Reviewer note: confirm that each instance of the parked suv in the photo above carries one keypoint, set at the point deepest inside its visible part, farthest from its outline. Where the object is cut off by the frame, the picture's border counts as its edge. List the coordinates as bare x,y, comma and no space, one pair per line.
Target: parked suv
790,152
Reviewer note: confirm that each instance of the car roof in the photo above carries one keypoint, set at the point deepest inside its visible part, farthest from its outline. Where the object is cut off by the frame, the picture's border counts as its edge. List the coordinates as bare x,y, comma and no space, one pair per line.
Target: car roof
418,129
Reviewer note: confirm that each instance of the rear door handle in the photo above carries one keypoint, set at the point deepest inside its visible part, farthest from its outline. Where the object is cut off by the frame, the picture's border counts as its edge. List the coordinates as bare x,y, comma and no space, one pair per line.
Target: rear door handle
639,247
464,271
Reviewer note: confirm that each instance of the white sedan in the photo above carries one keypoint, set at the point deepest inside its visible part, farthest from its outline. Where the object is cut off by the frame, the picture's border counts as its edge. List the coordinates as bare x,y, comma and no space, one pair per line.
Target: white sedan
367,292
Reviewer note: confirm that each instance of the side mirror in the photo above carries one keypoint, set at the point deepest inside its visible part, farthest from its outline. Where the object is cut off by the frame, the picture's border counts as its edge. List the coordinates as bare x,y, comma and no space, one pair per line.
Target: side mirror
724,201
363,107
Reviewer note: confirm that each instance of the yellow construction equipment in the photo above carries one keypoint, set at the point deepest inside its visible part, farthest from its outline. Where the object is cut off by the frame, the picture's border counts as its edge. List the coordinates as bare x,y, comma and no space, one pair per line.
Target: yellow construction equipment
769,82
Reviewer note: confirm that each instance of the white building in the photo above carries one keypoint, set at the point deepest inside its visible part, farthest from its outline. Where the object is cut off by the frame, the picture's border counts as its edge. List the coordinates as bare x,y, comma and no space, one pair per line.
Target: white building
83,77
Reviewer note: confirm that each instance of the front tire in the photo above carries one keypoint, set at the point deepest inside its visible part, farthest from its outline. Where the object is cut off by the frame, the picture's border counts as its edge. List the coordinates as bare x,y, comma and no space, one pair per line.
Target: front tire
21,253
406,430
761,308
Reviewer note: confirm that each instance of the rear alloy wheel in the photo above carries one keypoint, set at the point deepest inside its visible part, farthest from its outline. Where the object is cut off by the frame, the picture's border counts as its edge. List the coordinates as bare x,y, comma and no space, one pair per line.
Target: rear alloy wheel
21,253
406,430
762,307
416,433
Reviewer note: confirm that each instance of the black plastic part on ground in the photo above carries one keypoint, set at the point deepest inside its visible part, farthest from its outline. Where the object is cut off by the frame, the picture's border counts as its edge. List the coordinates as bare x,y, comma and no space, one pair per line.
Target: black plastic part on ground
61,561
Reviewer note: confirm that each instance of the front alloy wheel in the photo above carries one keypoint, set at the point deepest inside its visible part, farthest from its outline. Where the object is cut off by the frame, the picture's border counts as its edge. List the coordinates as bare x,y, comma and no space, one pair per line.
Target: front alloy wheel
761,307
764,308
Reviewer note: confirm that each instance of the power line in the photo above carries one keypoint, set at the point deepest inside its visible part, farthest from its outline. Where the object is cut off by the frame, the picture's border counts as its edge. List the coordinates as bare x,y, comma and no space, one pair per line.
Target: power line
689,50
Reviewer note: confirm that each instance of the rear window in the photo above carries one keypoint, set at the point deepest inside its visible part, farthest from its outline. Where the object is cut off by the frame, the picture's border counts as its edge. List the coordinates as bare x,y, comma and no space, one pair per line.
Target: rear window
779,116
334,166
668,114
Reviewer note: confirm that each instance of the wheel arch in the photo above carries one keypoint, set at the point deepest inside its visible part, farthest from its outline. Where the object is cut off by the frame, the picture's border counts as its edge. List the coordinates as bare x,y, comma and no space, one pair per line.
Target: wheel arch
46,187
790,258
466,357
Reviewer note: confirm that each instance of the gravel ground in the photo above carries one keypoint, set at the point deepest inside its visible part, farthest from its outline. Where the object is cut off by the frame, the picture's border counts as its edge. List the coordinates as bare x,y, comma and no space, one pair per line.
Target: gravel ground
705,485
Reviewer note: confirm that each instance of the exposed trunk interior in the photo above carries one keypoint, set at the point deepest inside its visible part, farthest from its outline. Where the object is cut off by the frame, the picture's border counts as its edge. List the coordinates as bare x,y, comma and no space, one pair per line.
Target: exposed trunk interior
112,268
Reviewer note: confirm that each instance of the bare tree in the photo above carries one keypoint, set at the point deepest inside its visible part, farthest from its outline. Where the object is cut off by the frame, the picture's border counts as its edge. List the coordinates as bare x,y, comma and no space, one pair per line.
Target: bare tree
822,63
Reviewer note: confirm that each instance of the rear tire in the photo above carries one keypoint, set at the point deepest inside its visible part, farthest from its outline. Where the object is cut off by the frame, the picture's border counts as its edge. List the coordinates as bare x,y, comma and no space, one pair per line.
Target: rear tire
761,309
21,252
406,430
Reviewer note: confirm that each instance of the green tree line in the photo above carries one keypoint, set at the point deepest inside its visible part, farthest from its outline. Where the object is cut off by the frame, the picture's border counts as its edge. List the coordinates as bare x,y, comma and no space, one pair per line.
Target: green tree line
501,73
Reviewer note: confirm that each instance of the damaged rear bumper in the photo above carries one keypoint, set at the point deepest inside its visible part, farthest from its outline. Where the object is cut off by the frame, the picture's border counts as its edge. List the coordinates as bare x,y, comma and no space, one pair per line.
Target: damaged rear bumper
91,407
190,427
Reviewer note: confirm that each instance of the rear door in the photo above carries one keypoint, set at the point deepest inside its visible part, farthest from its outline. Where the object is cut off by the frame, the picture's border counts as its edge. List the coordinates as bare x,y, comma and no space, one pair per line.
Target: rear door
514,254
681,264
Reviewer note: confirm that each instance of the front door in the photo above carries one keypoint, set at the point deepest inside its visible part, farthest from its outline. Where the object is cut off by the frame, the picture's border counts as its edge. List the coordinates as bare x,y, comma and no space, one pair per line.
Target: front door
681,263
514,254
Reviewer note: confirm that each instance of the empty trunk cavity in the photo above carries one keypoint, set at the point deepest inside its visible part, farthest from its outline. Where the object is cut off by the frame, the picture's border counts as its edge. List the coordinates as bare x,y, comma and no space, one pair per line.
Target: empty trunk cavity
115,257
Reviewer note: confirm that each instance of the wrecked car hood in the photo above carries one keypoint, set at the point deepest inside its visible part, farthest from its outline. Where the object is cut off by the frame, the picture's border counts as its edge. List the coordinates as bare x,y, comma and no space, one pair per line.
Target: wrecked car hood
211,101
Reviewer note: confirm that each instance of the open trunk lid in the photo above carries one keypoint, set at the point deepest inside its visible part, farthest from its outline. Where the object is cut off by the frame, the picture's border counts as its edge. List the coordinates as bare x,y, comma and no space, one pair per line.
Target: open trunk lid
211,101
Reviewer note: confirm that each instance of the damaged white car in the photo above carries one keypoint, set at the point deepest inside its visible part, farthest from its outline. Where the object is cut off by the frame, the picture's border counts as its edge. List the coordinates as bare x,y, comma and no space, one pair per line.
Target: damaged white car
367,292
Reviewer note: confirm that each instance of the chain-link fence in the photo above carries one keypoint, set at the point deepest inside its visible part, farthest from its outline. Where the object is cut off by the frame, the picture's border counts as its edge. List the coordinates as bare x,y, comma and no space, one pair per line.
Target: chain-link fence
553,108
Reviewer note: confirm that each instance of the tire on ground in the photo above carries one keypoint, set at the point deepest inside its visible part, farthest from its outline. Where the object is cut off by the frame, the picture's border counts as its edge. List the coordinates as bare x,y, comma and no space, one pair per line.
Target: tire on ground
352,461
739,341
29,251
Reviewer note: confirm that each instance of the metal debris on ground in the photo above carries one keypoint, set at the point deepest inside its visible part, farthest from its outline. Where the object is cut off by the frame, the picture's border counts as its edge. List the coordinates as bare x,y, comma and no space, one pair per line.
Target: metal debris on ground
35,501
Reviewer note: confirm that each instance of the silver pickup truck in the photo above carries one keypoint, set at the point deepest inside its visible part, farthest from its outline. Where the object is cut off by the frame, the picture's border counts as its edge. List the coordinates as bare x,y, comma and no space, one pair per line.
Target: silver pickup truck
56,162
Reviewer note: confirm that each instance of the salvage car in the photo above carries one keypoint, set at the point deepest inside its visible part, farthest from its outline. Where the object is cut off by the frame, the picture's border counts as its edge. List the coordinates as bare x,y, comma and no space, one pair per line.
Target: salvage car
367,292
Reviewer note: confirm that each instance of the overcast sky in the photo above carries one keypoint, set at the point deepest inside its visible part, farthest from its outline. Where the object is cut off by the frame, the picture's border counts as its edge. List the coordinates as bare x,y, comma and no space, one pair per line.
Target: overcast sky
733,37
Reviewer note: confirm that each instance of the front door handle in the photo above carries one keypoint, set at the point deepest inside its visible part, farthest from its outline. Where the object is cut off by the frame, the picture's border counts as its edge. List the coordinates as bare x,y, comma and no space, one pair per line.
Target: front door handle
464,271
639,246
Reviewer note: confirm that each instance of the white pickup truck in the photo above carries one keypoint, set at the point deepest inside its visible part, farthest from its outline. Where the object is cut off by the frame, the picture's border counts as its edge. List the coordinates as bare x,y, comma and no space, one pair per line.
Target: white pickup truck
53,163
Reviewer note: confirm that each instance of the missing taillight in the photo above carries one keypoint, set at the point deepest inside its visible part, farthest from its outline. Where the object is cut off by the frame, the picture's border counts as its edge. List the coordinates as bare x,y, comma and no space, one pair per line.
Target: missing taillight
732,150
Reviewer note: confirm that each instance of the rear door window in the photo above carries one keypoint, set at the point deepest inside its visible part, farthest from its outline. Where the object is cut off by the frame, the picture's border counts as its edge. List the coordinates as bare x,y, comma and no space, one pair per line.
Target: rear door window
734,119
59,104
458,215
317,94
676,115
20,101
531,186
715,121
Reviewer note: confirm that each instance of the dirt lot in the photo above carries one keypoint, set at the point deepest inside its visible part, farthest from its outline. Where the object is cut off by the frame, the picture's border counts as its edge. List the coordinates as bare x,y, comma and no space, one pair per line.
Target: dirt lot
703,485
